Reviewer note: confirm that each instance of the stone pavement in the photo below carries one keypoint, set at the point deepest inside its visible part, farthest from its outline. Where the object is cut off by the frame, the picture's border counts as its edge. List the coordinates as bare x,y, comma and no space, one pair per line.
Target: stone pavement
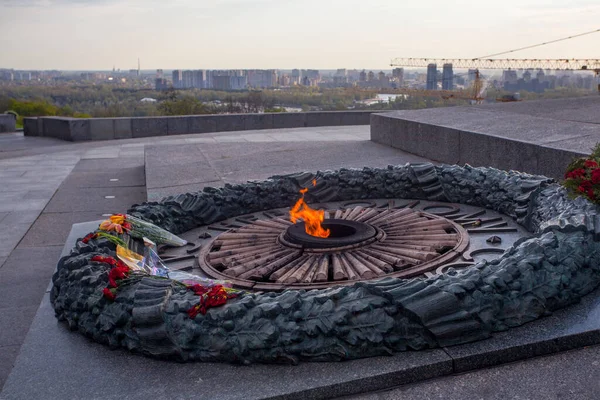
571,375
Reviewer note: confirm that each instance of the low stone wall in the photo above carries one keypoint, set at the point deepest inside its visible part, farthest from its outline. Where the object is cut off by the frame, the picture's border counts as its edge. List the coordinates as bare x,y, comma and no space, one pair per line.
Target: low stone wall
76,129
482,137
7,123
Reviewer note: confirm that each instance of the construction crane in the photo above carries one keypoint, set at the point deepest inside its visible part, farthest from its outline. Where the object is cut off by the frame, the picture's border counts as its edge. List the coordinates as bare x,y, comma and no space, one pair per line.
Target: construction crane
486,62
475,93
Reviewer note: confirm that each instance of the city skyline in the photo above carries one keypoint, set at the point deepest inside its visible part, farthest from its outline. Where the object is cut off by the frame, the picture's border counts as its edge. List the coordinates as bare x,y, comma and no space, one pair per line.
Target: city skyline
234,34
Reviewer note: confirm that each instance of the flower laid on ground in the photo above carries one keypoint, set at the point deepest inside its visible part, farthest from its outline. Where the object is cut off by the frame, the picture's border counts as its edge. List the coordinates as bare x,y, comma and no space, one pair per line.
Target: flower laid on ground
583,177
115,223
118,272
135,227
210,297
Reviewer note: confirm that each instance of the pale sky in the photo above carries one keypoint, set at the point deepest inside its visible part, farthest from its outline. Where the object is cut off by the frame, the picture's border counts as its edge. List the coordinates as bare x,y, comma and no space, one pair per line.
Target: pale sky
322,34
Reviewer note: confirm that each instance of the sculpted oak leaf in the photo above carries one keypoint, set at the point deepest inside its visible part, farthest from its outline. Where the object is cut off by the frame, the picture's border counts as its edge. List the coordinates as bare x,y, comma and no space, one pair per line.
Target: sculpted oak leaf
369,326
322,317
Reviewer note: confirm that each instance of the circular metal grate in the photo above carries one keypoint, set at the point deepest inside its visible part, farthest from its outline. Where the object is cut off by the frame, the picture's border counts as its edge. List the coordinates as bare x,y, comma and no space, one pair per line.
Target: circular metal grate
404,243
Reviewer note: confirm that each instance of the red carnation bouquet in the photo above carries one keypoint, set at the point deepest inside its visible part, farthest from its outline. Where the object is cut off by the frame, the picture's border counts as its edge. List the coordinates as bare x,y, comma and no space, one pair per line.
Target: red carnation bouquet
583,177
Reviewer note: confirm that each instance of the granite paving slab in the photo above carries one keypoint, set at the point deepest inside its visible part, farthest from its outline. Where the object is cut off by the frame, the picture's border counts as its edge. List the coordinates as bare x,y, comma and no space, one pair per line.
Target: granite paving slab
572,375
240,162
94,199
582,109
129,176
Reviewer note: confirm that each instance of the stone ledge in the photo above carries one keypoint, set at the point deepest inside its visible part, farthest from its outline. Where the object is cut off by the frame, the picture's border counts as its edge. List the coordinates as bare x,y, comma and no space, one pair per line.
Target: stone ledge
7,123
77,129
488,136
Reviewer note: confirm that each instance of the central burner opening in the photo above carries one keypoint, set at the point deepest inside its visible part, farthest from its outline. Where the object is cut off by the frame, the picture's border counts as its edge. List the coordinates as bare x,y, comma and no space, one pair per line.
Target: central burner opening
343,233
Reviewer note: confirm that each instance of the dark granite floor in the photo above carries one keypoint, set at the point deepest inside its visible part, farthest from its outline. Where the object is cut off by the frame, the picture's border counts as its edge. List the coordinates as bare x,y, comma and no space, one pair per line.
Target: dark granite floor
572,375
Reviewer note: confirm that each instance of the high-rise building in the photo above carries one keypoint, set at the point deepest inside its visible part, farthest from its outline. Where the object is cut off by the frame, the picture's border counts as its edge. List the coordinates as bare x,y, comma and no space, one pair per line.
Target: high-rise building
447,77
296,77
431,77
261,78
363,76
222,82
527,76
161,84
398,75
187,79
540,75
198,79
472,74
371,76
510,76
177,79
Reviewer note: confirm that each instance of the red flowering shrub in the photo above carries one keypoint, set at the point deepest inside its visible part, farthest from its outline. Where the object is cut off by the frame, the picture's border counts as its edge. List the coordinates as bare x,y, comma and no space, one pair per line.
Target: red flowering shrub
583,177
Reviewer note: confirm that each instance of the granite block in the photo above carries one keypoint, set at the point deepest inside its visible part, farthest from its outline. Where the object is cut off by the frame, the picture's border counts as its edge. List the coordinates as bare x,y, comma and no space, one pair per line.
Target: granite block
425,140
289,120
324,118
178,125
79,129
30,127
230,122
553,162
58,128
380,129
40,129
7,123
483,150
258,121
149,126
122,128
102,128
202,124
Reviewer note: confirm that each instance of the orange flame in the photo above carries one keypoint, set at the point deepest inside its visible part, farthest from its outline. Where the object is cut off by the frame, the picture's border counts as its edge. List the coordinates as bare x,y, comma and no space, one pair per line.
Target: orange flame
312,218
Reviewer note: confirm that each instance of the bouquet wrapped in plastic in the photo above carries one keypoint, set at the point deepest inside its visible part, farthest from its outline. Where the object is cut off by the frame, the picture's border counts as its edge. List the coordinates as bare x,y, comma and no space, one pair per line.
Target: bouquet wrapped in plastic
137,228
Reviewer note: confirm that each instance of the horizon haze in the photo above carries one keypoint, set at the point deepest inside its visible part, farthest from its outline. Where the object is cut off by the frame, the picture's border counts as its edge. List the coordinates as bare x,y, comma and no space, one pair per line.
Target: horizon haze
238,34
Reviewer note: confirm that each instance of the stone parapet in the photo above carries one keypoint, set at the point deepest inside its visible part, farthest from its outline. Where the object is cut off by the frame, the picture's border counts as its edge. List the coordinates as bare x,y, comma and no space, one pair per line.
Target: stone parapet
7,123
78,129
487,137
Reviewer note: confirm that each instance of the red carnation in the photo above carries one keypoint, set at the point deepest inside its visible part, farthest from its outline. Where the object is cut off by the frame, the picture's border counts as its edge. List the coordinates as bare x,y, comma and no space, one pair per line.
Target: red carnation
89,237
215,296
117,273
105,260
109,294
590,164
